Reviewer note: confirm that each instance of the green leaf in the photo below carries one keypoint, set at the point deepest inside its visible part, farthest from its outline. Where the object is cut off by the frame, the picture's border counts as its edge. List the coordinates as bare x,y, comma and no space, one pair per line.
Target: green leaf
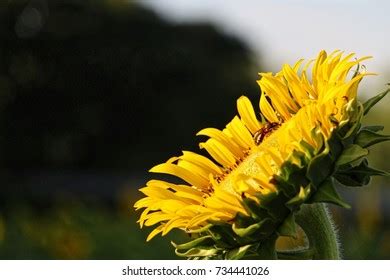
372,101
327,193
288,227
367,138
351,154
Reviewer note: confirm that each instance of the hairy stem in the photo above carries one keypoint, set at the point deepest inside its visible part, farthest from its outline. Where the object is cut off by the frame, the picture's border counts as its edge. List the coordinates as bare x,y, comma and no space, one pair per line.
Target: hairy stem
316,222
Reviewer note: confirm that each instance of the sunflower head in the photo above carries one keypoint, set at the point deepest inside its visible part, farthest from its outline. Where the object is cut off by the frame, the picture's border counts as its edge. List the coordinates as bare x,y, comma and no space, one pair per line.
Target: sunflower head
305,135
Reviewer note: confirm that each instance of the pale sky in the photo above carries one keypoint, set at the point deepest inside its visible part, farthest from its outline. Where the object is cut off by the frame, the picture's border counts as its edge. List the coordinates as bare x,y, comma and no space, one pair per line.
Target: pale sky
284,31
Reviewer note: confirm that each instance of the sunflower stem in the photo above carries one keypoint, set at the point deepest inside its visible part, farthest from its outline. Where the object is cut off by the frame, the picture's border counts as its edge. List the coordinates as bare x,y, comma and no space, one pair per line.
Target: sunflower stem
316,222
301,254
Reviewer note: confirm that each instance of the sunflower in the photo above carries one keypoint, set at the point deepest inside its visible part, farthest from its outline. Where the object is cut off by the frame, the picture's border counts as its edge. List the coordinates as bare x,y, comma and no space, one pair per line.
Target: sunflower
265,163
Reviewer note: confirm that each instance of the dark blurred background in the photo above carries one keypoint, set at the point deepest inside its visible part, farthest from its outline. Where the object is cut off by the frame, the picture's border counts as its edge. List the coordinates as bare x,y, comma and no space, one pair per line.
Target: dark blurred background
93,94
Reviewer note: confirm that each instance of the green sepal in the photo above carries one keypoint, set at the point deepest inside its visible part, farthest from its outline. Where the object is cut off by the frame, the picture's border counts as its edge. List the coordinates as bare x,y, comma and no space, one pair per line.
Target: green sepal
335,146
198,252
288,189
317,136
308,149
320,168
349,138
198,242
254,209
327,193
356,72
260,228
289,181
242,220
238,253
288,227
266,249
351,181
273,203
223,235
349,130
300,198
351,154
373,128
372,101
367,138
359,175
200,230
365,169
292,173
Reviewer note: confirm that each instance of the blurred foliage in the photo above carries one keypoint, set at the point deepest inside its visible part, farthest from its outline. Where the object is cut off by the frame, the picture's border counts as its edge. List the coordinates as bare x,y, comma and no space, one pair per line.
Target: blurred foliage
91,231
107,84
91,90
78,231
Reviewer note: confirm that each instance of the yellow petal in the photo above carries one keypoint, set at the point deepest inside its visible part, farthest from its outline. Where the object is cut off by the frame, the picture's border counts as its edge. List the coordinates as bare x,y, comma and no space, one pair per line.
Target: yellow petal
200,219
202,162
154,232
196,198
247,114
177,222
240,133
143,202
219,152
267,110
295,86
180,172
224,139
155,218
157,193
199,171
277,93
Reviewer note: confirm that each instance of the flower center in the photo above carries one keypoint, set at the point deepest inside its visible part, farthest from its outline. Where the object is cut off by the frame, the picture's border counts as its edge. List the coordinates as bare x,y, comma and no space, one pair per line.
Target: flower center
248,164
275,137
